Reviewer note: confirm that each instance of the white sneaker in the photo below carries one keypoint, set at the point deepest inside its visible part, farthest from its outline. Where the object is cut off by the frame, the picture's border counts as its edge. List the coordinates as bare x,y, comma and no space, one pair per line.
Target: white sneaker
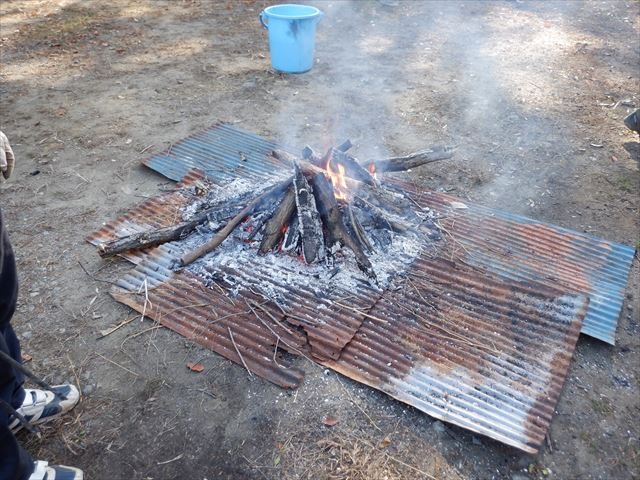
44,471
40,406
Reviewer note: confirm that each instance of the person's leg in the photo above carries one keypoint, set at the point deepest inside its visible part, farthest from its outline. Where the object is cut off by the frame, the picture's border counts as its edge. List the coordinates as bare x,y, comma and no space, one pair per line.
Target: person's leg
15,462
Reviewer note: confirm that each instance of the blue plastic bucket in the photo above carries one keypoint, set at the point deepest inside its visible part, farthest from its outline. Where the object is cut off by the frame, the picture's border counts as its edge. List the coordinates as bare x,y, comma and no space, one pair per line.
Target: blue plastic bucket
292,36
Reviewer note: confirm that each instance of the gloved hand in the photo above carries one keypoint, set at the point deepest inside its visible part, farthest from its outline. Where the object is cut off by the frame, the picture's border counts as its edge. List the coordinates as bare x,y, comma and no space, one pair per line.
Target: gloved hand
7,160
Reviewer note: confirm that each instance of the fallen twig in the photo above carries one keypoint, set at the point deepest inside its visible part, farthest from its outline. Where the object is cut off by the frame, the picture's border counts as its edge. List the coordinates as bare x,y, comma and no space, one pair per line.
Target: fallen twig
118,365
238,351
172,460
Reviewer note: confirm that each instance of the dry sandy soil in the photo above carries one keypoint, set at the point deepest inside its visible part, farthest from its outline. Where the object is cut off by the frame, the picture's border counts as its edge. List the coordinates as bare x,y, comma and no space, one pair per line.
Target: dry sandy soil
533,93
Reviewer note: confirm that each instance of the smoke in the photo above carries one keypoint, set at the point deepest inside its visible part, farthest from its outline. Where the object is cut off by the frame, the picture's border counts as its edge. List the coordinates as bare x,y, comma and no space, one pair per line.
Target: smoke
398,76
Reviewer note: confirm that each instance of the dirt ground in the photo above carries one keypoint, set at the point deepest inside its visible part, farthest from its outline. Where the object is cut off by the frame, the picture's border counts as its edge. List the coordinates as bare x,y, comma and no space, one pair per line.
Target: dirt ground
533,93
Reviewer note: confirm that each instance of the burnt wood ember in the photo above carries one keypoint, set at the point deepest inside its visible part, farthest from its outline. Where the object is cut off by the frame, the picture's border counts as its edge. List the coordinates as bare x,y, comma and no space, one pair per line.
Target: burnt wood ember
308,219
219,237
292,237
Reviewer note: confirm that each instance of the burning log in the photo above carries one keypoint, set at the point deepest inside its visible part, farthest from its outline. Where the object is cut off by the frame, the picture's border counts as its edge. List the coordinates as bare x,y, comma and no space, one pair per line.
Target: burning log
336,158
274,227
308,218
351,167
332,219
402,164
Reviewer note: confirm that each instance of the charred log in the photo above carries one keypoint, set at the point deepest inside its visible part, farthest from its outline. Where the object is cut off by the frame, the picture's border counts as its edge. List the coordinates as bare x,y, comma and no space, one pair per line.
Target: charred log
332,218
352,168
275,226
401,164
357,229
152,238
308,218
147,239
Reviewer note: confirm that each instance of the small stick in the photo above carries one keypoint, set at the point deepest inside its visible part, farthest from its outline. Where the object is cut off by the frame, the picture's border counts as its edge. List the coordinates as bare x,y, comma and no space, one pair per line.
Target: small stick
109,331
357,405
238,351
172,460
73,369
118,365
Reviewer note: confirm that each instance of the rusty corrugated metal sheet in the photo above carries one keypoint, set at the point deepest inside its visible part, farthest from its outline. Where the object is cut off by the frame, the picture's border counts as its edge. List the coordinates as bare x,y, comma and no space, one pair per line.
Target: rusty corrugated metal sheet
455,340
467,348
519,248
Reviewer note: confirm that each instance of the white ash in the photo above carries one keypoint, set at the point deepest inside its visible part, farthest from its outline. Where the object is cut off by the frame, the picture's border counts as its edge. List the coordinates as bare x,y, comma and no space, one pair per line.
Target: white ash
274,276
236,188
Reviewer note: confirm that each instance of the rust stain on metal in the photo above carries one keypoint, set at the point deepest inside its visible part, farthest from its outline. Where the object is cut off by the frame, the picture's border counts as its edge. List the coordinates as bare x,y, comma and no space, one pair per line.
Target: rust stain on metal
470,349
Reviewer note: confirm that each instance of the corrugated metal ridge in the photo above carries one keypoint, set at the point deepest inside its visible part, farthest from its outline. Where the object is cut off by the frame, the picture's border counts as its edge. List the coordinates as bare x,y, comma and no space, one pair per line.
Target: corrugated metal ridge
520,248
205,316
489,356
223,152
328,326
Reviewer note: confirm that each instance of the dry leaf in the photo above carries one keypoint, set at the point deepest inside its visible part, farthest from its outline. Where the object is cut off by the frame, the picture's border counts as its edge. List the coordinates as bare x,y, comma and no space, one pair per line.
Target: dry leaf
195,367
26,358
330,420
386,441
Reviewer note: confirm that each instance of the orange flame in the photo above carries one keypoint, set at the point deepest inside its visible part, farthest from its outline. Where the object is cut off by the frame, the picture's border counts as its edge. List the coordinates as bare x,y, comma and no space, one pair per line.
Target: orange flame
338,180
372,170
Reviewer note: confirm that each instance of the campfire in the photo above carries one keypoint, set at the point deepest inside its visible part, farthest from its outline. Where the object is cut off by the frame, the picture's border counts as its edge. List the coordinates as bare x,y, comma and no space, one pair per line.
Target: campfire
326,204
467,313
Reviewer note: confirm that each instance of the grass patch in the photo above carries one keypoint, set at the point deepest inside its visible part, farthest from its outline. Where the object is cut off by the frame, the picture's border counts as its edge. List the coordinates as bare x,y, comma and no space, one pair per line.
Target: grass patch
625,184
602,406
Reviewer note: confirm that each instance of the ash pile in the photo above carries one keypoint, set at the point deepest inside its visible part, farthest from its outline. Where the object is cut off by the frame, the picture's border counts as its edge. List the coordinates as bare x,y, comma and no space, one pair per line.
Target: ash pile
326,220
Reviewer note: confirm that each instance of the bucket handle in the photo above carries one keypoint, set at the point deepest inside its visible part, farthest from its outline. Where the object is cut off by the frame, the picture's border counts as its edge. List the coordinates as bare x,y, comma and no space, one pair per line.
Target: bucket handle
262,14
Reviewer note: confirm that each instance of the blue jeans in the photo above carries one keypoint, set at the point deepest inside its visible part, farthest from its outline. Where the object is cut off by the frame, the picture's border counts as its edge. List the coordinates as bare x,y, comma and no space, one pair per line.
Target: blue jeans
15,462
